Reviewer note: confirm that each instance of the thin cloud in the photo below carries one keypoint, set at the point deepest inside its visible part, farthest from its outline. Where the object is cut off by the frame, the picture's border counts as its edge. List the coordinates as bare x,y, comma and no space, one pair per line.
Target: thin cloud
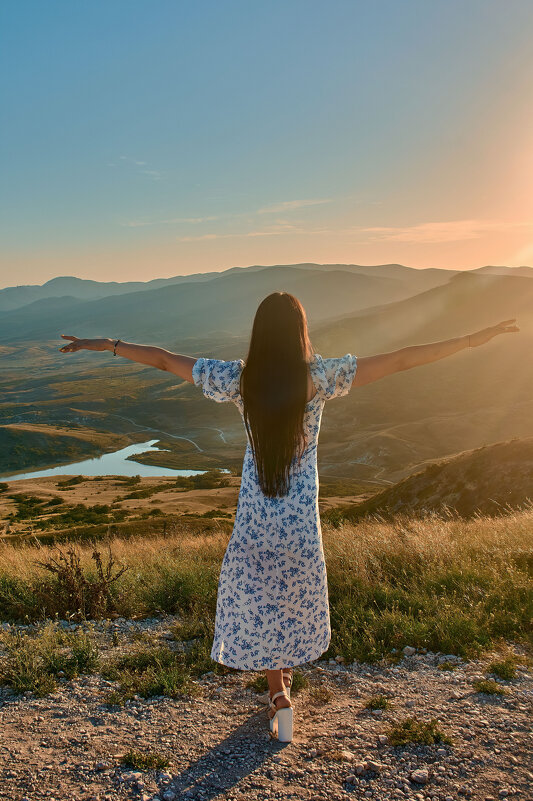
290,205
155,175
438,232
228,236
133,161
281,228
171,221
285,206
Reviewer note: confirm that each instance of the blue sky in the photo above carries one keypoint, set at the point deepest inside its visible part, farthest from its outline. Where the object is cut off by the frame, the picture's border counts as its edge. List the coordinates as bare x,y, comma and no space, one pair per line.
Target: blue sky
147,138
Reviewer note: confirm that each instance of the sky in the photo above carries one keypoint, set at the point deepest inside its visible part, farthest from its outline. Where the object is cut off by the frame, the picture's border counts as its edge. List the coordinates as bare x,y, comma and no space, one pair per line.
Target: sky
152,138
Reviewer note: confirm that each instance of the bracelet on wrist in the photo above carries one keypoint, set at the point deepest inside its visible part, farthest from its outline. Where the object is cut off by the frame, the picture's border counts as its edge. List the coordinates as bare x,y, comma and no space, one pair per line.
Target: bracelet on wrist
115,347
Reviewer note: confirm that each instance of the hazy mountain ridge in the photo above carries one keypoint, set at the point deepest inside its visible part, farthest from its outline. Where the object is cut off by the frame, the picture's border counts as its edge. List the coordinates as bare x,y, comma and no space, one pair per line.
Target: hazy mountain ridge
227,303
489,268
15,297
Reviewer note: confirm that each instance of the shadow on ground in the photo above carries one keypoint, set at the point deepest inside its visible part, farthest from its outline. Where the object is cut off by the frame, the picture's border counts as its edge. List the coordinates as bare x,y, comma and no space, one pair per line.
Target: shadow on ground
238,755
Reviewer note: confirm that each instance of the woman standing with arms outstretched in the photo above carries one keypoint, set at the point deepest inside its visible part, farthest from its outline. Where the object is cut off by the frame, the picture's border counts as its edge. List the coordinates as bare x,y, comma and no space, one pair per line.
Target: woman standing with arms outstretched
272,605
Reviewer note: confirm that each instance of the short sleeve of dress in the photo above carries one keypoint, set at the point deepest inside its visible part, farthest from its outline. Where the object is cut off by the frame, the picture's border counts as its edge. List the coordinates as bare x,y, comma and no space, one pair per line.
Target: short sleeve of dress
219,379
333,377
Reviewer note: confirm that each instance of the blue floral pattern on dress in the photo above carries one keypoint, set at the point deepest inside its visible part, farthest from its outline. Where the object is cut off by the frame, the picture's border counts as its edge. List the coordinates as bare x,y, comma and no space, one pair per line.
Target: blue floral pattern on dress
272,603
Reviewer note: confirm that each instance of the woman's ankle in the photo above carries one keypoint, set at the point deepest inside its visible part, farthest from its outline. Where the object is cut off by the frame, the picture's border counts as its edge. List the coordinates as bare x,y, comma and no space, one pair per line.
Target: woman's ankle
275,682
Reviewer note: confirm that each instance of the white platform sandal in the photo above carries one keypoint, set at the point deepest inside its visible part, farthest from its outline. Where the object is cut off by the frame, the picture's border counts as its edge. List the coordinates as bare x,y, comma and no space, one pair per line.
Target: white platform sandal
281,723
287,679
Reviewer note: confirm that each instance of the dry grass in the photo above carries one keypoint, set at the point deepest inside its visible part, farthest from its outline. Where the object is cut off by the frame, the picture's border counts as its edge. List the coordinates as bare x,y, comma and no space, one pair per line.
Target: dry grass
371,547
447,584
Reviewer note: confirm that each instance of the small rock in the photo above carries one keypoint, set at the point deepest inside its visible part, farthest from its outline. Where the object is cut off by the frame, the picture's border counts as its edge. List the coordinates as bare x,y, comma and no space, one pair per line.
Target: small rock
383,739
420,776
408,650
133,776
371,764
347,756
360,767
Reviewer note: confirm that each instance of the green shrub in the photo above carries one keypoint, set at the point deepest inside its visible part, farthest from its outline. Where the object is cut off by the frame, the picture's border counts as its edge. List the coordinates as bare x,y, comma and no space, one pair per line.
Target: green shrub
145,761
488,686
156,671
378,702
412,730
34,662
70,482
504,669
259,683
320,694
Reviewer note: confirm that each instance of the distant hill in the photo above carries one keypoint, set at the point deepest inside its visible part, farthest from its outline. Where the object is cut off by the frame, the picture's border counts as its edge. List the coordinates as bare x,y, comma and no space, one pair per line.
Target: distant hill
406,280
14,297
223,305
523,270
489,480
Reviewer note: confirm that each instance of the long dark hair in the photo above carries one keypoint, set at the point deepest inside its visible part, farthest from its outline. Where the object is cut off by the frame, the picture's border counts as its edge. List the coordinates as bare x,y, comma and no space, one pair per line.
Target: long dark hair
274,389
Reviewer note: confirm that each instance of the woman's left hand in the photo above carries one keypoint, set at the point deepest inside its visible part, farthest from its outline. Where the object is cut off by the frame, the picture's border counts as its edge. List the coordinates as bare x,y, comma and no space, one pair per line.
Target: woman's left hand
83,344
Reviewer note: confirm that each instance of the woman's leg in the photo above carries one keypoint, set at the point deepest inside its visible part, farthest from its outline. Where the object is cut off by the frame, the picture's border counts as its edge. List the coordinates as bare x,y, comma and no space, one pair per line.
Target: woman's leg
275,685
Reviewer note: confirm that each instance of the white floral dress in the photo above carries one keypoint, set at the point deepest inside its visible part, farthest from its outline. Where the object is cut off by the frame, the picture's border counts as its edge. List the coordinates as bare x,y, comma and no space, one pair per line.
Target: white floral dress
272,604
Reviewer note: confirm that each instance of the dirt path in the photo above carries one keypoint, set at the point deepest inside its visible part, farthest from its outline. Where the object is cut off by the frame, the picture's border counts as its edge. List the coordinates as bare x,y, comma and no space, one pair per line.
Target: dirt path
68,745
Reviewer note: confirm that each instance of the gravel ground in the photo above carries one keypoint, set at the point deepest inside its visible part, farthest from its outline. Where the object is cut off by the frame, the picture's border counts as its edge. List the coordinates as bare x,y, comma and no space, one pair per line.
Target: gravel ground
69,744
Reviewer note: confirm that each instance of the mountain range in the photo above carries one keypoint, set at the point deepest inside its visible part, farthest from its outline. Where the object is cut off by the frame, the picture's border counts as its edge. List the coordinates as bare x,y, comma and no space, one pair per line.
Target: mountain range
382,431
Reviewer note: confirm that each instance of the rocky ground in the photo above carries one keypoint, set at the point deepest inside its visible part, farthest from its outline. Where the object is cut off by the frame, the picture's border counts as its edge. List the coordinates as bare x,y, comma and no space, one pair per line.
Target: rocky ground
69,745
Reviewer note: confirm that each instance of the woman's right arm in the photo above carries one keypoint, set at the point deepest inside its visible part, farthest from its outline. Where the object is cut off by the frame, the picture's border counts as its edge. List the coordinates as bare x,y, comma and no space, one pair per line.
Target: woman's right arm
372,368
152,355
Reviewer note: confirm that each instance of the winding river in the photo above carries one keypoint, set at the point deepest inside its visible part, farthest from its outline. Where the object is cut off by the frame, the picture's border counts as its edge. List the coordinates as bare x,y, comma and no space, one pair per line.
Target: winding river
110,464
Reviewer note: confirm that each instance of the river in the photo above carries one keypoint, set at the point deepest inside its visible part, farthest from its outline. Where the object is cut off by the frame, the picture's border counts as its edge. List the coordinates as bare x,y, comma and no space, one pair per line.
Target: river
110,464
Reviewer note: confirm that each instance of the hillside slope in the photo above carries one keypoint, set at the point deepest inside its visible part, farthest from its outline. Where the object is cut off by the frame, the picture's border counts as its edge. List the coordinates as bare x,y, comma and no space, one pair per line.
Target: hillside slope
489,480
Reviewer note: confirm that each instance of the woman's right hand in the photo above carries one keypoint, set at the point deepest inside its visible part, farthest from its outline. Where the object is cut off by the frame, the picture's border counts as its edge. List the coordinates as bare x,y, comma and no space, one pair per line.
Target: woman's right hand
486,334
84,344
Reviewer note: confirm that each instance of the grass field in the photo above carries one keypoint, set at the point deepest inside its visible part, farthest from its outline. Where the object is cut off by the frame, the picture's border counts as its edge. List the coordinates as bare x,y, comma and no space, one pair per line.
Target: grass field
447,585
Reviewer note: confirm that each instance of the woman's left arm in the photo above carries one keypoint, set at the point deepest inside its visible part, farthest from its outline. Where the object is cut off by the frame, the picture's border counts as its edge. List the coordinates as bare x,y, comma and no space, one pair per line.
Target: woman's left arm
151,355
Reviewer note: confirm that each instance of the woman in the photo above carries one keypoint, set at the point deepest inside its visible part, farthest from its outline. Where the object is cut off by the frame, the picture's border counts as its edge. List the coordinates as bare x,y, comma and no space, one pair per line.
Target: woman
272,606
